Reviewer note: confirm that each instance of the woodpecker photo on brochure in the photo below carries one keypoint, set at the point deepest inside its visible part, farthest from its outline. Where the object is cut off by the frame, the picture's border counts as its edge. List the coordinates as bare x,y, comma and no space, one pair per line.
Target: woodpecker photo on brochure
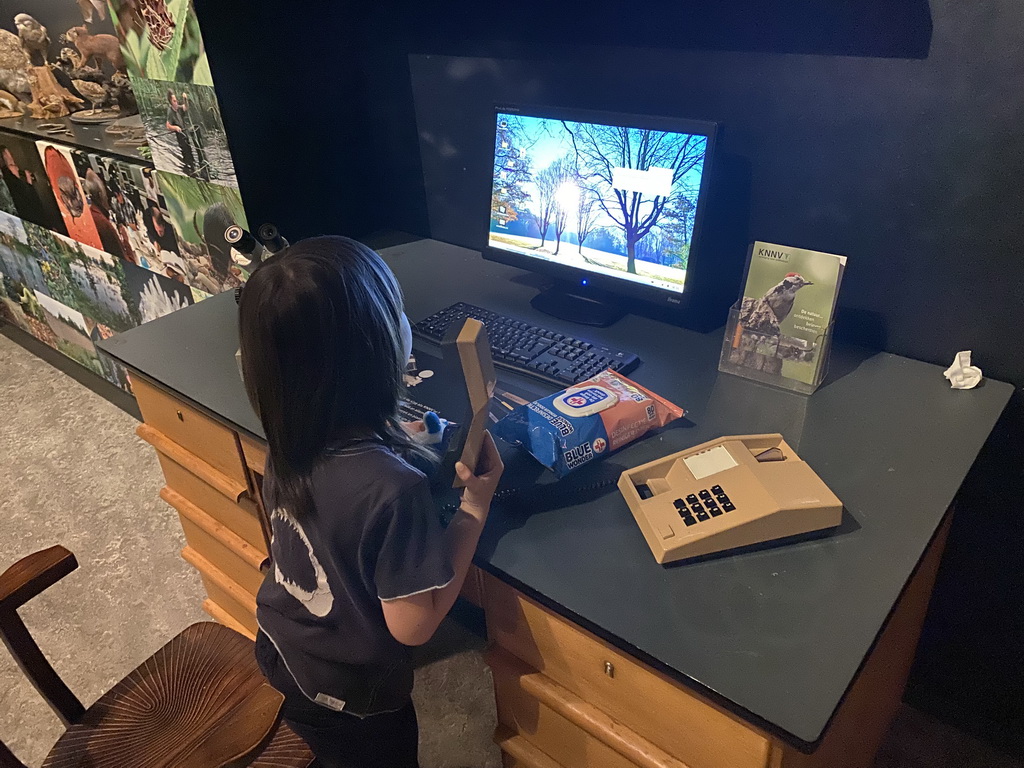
788,303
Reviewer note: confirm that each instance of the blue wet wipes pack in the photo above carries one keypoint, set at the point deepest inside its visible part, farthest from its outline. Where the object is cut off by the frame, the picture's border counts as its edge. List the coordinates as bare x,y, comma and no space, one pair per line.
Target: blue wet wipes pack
576,426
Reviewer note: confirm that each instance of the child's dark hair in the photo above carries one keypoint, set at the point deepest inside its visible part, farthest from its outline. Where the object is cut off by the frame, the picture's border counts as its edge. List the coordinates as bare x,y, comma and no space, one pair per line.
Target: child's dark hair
321,347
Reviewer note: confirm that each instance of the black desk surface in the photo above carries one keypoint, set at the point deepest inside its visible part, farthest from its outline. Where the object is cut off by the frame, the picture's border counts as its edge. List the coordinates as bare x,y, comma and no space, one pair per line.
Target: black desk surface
777,634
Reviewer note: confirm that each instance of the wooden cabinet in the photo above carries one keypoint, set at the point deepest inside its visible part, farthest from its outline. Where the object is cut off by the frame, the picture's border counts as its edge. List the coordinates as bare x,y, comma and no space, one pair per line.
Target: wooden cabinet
213,479
580,681
210,486
565,698
207,439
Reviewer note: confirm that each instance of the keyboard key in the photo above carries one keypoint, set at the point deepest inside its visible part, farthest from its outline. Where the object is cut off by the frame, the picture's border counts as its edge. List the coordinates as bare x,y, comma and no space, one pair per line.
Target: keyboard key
722,498
702,516
692,498
715,511
689,520
679,503
717,489
705,494
728,506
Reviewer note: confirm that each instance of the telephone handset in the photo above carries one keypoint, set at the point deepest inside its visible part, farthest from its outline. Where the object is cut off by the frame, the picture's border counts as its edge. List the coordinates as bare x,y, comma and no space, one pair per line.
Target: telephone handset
466,357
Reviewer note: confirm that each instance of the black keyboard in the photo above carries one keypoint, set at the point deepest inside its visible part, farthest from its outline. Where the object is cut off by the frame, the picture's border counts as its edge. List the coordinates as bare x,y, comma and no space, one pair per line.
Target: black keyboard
529,349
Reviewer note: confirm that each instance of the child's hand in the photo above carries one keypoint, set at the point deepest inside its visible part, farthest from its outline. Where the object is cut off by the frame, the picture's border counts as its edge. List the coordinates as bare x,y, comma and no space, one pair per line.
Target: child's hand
479,490
428,431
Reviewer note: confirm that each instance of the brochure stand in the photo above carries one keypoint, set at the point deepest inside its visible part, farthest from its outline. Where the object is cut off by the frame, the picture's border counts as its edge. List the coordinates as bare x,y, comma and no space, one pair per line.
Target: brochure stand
762,356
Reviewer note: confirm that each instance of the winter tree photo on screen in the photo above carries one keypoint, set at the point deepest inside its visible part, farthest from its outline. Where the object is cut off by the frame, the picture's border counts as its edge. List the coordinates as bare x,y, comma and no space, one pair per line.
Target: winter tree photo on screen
610,199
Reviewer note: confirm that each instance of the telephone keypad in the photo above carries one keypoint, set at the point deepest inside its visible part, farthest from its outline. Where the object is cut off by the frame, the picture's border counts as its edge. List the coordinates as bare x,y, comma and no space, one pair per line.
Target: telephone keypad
704,505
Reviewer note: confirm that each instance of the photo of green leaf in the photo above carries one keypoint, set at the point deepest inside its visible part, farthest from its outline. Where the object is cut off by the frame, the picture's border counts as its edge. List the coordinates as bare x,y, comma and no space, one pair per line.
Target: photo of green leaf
161,40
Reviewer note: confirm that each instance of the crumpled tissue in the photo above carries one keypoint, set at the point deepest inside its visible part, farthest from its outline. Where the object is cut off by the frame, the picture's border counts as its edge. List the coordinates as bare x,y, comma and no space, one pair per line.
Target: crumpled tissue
961,374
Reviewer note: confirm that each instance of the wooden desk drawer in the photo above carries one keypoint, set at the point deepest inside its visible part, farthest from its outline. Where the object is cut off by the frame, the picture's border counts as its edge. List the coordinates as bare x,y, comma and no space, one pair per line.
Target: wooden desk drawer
241,518
558,736
209,440
227,551
255,454
684,725
221,616
223,601
225,593
517,752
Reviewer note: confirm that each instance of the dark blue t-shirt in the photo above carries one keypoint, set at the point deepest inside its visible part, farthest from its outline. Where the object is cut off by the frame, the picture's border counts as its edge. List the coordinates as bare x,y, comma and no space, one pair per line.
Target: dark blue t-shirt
375,535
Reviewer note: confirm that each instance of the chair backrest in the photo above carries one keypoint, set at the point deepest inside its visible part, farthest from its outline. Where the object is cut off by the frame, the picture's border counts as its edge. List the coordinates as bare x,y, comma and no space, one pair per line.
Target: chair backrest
235,701
19,584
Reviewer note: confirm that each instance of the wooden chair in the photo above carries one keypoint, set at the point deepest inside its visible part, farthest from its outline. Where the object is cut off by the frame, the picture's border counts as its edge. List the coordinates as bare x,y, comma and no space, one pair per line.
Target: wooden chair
199,701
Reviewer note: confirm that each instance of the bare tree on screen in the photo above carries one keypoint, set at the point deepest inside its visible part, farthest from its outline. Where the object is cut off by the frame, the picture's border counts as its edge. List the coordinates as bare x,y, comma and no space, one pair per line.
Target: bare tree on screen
586,214
602,148
548,211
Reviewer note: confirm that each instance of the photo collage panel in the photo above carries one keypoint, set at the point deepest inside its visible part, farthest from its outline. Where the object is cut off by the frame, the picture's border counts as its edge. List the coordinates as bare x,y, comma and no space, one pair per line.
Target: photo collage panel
95,241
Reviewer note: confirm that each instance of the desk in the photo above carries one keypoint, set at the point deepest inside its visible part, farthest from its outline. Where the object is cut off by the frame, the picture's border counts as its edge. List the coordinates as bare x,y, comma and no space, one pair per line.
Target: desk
781,658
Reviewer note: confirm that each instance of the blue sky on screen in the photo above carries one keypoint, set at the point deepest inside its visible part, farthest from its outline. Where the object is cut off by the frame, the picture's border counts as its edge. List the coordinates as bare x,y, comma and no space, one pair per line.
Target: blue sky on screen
546,140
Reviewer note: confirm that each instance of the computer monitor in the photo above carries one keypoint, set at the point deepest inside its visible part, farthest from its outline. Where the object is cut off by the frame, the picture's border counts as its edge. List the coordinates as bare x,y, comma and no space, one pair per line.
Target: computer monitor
610,205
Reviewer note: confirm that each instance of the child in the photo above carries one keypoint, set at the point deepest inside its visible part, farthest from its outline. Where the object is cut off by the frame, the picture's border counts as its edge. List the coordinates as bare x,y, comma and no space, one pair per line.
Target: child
362,566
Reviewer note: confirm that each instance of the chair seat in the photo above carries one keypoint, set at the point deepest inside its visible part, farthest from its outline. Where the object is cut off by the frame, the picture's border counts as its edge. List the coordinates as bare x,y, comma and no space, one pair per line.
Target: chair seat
200,700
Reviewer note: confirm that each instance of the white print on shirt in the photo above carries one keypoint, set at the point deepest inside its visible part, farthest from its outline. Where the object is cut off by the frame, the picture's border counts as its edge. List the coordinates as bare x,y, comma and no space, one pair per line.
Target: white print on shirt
318,602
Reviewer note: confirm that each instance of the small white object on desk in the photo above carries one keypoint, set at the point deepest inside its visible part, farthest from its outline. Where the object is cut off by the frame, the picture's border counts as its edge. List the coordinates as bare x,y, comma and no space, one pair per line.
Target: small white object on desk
710,462
961,374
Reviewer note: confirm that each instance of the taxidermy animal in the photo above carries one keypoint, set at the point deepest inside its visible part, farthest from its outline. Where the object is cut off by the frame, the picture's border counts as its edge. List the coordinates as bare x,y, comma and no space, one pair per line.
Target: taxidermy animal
122,95
68,58
67,82
94,93
91,9
764,315
11,102
99,47
34,38
49,107
14,66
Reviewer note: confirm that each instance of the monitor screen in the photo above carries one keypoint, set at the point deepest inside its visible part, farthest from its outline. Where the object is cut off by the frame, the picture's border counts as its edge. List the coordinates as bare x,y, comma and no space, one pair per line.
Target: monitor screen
604,197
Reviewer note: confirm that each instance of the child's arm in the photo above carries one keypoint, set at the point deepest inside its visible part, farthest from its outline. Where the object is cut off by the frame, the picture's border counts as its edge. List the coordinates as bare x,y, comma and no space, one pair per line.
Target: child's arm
413,620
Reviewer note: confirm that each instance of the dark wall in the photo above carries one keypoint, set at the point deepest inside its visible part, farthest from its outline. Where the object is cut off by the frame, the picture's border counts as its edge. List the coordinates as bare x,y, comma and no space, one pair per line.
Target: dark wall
887,131
888,161
290,89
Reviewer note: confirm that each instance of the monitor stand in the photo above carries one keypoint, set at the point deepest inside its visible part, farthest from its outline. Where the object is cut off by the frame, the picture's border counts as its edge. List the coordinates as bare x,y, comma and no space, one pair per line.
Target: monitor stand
568,302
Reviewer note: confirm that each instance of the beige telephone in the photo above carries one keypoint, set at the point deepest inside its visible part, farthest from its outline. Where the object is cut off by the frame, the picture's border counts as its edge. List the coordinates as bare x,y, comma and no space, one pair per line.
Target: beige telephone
727,493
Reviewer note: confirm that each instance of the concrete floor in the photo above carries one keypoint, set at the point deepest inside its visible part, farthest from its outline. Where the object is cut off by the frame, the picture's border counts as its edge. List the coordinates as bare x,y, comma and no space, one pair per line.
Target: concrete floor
73,473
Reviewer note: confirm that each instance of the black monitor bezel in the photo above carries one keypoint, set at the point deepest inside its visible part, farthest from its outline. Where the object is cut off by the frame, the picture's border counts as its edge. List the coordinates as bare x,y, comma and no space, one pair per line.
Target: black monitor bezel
613,286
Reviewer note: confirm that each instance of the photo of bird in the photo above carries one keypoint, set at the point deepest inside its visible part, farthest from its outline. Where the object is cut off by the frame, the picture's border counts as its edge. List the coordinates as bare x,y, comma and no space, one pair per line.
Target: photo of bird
764,315
34,39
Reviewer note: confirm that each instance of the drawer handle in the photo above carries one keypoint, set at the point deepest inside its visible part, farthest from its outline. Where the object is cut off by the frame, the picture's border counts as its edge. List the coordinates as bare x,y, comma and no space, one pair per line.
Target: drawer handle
181,416
609,669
